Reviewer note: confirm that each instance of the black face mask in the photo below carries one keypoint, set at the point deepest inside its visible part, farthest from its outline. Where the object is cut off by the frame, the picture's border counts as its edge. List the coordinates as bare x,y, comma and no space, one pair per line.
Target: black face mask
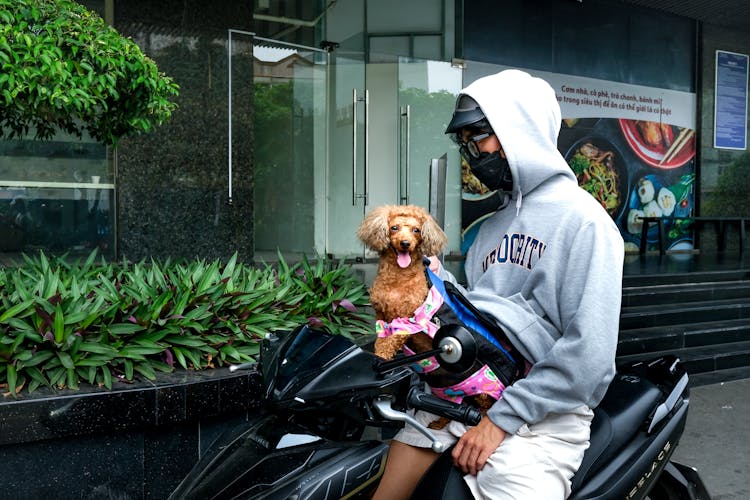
492,170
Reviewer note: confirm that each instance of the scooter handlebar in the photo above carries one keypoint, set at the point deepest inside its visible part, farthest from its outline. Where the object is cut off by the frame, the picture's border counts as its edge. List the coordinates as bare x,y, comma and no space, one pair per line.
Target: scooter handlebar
455,411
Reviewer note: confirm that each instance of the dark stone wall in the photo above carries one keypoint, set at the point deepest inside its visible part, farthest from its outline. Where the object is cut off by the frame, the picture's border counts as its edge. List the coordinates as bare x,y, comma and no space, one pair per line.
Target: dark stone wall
724,181
173,183
603,39
134,442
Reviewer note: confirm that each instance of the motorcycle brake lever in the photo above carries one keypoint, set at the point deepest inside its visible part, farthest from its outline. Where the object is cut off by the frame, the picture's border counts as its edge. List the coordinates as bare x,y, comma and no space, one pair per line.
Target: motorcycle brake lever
383,405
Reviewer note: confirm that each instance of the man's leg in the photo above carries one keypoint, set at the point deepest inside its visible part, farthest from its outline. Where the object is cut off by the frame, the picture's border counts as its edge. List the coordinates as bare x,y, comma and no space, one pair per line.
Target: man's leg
409,458
536,462
405,467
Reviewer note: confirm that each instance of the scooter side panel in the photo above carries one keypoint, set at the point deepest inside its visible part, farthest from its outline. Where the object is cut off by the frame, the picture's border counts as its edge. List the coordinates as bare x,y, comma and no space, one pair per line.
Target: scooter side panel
352,470
258,461
633,471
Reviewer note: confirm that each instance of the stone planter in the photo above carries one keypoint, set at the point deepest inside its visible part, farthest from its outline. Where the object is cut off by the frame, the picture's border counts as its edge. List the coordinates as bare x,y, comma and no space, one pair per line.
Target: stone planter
135,441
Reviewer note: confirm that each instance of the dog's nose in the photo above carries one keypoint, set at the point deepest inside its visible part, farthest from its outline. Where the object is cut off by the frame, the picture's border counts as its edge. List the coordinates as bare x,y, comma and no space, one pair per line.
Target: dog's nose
405,244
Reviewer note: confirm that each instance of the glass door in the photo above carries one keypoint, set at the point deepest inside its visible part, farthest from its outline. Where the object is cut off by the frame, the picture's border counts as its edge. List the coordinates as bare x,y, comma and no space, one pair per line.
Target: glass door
349,173
427,93
289,91
387,121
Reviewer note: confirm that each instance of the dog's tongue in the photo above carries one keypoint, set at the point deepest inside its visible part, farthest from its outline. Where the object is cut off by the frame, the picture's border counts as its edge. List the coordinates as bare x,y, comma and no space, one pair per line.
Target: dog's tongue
403,259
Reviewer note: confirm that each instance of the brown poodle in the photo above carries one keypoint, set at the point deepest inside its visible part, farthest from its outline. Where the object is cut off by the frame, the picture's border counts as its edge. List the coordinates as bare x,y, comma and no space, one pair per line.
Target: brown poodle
402,235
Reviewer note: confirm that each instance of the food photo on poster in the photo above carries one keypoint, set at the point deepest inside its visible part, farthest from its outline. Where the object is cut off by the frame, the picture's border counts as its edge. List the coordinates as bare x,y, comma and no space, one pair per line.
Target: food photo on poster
631,147
634,178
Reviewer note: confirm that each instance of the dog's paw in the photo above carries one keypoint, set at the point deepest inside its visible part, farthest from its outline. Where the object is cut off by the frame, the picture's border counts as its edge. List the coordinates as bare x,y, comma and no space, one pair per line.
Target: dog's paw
484,401
439,423
388,347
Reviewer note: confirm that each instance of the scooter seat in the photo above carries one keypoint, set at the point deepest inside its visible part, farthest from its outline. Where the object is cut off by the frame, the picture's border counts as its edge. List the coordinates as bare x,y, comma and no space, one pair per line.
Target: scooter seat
626,407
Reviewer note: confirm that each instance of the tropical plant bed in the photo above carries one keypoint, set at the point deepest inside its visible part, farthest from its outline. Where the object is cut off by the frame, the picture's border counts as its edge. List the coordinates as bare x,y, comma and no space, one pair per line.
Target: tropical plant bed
64,325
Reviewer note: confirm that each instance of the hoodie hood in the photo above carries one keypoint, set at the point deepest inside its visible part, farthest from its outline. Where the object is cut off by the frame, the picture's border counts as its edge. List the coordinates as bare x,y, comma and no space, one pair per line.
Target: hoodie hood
524,114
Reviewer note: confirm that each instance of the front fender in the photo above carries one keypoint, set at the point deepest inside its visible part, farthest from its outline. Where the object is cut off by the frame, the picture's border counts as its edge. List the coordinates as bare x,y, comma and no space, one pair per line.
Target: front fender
270,458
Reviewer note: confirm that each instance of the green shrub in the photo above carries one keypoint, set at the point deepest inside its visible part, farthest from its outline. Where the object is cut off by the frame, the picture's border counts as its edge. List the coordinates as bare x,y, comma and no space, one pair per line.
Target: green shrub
63,68
730,199
62,324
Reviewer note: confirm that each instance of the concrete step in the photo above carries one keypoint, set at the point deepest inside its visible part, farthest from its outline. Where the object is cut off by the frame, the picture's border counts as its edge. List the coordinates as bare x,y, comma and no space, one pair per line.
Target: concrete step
662,338
642,280
703,359
683,313
684,292
703,317
719,376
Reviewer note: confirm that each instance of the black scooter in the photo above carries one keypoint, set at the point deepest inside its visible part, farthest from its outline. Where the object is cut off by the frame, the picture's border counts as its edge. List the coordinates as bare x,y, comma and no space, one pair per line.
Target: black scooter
324,395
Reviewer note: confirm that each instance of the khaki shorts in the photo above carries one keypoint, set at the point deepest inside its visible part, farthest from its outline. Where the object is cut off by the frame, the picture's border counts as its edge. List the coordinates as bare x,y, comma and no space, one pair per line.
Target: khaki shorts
538,461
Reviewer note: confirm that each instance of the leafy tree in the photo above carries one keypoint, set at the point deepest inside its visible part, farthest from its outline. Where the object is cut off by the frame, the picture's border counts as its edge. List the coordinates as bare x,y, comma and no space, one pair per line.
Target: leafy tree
730,197
63,68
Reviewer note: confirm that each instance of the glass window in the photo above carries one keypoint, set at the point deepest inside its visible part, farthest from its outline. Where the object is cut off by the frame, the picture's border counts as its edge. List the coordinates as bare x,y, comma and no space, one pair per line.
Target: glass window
56,196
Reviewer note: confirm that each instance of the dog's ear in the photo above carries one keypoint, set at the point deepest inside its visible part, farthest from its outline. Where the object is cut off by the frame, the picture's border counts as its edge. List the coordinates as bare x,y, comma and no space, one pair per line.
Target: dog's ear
374,229
434,239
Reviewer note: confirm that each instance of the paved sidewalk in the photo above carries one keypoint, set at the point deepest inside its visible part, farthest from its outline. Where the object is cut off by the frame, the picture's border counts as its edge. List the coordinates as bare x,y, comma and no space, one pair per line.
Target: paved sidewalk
716,440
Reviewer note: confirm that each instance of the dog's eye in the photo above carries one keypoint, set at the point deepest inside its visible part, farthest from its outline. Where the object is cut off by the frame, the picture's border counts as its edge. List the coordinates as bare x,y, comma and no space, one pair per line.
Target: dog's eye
394,228
416,230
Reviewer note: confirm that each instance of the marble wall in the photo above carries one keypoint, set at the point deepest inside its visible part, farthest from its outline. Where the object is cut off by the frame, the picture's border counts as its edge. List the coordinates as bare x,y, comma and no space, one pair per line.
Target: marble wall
173,183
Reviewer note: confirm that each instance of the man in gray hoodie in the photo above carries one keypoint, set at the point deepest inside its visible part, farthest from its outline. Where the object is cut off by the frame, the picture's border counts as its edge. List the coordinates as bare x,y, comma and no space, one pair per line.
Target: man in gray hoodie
547,267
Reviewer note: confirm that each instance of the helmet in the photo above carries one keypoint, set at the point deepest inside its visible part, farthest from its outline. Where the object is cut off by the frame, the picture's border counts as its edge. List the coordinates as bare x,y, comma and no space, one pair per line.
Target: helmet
467,113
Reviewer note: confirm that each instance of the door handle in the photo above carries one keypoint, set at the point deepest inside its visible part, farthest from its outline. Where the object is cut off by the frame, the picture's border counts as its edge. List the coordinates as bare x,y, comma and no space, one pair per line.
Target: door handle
354,147
406,113
355,100
367,147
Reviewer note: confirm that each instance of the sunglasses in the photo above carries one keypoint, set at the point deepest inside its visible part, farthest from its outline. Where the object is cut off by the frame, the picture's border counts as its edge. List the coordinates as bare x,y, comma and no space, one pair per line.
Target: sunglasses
470,147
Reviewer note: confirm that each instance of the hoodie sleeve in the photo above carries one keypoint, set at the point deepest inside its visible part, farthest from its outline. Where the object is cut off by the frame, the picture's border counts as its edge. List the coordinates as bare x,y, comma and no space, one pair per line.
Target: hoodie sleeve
578,366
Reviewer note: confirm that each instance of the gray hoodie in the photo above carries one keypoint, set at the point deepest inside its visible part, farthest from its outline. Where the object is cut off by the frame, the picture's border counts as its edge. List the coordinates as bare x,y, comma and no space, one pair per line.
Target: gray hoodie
548,267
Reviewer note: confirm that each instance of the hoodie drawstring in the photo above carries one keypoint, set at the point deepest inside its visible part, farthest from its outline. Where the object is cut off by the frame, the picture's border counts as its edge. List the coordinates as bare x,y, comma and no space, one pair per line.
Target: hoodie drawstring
518,202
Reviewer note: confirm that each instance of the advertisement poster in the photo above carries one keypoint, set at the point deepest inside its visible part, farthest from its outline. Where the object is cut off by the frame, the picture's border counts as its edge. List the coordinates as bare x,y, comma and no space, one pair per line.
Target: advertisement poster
632,147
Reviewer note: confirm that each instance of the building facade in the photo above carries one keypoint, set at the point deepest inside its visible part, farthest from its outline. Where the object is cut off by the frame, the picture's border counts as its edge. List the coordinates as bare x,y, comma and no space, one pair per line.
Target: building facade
295,118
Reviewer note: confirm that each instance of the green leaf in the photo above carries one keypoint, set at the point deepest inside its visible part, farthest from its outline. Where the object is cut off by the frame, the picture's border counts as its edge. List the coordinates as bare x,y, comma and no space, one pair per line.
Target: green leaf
72,377
59,324
146,370
66,360
95,360
230,352
97,348
75,317
23,355
12,376
106,377
15,310
180,357
124,328
36,376
229,268
136,352
160,303
38,358
87,373
193,356
185,341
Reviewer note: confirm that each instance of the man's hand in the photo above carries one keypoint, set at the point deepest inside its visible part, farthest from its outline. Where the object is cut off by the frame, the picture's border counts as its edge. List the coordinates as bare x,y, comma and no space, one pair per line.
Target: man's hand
476,445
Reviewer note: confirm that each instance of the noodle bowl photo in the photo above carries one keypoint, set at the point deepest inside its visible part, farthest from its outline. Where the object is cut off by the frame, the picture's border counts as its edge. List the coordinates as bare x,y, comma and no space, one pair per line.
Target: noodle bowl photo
600,170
